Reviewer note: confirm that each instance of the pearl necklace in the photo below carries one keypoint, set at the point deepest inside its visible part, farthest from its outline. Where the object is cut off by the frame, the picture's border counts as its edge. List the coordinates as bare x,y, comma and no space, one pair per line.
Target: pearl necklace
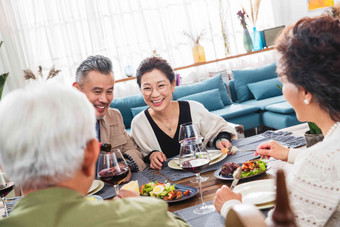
332,129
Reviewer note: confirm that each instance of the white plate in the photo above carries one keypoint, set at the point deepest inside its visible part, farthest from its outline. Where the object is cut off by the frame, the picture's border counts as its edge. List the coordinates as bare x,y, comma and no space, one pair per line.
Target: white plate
98,188
257,192
266,205
174,164
94,185
95,198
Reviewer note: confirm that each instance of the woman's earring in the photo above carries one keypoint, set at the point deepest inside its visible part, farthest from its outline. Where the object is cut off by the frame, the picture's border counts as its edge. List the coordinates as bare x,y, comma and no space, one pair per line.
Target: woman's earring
306,101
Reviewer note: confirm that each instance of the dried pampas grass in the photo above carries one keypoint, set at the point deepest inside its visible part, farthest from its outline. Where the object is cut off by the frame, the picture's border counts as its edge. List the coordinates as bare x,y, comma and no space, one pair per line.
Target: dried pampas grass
254,10
28,74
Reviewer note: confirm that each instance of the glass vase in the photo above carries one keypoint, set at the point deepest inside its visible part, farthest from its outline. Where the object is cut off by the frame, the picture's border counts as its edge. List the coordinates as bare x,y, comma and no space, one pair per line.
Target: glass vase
198,53
256,38
247,43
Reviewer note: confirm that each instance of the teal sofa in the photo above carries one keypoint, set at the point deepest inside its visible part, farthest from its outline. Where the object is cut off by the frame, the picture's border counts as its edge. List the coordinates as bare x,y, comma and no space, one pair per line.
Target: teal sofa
255,99
261,88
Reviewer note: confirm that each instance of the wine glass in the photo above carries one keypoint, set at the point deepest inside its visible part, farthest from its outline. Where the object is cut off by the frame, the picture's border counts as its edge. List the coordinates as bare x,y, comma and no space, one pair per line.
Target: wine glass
4,190
193,158
112,168
190,131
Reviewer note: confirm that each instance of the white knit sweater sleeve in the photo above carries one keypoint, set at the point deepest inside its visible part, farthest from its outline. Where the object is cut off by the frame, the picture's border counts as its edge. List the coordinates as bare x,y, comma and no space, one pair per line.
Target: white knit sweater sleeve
210,125
314,184
143,134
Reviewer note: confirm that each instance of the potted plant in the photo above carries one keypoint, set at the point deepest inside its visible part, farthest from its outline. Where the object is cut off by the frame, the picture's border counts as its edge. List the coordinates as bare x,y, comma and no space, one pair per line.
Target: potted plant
314,135
3,78
197,50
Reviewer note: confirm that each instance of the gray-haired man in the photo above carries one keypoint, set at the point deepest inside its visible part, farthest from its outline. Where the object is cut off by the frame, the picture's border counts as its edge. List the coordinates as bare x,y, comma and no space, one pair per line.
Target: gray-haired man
94,77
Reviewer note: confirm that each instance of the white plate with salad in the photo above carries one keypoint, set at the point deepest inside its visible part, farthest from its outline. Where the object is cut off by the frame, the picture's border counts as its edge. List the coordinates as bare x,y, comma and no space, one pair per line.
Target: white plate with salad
260,167
168,192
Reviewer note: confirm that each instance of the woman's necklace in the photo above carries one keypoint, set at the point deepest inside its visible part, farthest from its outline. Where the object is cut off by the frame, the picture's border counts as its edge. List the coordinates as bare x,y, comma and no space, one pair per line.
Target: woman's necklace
169,127
332,129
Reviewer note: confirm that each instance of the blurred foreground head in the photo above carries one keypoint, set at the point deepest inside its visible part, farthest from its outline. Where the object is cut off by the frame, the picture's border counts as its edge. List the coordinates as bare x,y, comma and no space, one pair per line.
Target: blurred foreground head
43,134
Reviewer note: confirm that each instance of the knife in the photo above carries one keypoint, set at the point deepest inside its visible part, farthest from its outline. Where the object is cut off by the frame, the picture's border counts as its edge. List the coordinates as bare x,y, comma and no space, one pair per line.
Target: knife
237,175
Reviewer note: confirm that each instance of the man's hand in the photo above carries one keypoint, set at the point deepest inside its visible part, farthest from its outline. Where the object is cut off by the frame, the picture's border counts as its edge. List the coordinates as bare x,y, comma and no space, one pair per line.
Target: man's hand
223,195
273,149
156,160
128,177
126,193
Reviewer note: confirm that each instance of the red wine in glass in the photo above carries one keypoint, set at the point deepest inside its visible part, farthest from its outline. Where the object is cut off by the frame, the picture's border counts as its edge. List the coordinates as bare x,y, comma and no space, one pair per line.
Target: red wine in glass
112,167
3,192
111,176
193,157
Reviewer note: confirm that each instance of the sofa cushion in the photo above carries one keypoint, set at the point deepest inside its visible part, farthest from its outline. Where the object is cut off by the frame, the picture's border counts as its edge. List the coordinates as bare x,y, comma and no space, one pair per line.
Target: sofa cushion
211,99
235,110
125,104
265,102
244,77
279,121
212,83
137,110
282,107
265,88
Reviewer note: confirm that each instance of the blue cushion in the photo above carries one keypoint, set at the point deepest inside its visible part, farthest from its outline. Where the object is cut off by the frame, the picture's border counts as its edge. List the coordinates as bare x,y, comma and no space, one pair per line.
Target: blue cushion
232,91
244,77
212,83
282,107
279,121
265,102
125,104
236,110
137,110
265,88
211,99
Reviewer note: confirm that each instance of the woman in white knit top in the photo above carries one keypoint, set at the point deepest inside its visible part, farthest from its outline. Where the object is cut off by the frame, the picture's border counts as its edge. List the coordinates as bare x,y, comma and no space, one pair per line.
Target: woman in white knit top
309,68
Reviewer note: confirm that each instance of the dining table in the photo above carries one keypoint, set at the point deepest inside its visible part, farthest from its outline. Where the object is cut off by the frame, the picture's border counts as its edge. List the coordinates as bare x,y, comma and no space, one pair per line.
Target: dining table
210,186
292,136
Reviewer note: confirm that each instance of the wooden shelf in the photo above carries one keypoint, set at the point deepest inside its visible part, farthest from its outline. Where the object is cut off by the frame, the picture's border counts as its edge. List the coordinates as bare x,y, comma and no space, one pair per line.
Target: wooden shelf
207,62
223,59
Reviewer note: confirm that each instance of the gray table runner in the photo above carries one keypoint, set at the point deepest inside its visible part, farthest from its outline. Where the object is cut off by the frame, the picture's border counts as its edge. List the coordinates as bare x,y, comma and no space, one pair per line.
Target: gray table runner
249,143
213,219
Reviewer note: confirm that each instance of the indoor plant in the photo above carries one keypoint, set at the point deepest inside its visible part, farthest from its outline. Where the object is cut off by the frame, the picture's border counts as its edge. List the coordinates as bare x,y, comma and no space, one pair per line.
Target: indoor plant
247,43
314,135
197,50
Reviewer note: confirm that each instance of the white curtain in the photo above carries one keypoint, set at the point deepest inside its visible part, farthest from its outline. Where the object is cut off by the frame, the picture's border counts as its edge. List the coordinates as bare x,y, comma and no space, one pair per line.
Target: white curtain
64,32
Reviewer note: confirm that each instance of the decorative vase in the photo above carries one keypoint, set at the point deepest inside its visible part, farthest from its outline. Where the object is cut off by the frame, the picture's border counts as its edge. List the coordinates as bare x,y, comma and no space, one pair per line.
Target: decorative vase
247,43
198,53
312,139
257,41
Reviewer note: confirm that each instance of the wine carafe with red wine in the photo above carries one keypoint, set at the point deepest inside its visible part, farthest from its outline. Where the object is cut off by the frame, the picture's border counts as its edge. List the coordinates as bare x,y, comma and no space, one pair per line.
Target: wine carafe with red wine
112,167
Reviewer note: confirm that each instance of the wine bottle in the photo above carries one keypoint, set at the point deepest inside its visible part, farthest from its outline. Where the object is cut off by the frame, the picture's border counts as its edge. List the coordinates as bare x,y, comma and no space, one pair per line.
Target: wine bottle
105,147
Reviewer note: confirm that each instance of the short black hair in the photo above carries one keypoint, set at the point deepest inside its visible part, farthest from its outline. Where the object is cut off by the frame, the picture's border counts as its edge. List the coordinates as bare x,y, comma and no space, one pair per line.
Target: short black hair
151,63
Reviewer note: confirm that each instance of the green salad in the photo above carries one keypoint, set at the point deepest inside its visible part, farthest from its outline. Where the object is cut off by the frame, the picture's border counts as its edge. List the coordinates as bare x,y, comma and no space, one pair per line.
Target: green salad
156,189
251,168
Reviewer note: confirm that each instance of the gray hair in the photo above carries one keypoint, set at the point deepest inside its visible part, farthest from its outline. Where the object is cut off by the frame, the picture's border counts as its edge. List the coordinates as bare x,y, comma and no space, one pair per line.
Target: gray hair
93,63
43,134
